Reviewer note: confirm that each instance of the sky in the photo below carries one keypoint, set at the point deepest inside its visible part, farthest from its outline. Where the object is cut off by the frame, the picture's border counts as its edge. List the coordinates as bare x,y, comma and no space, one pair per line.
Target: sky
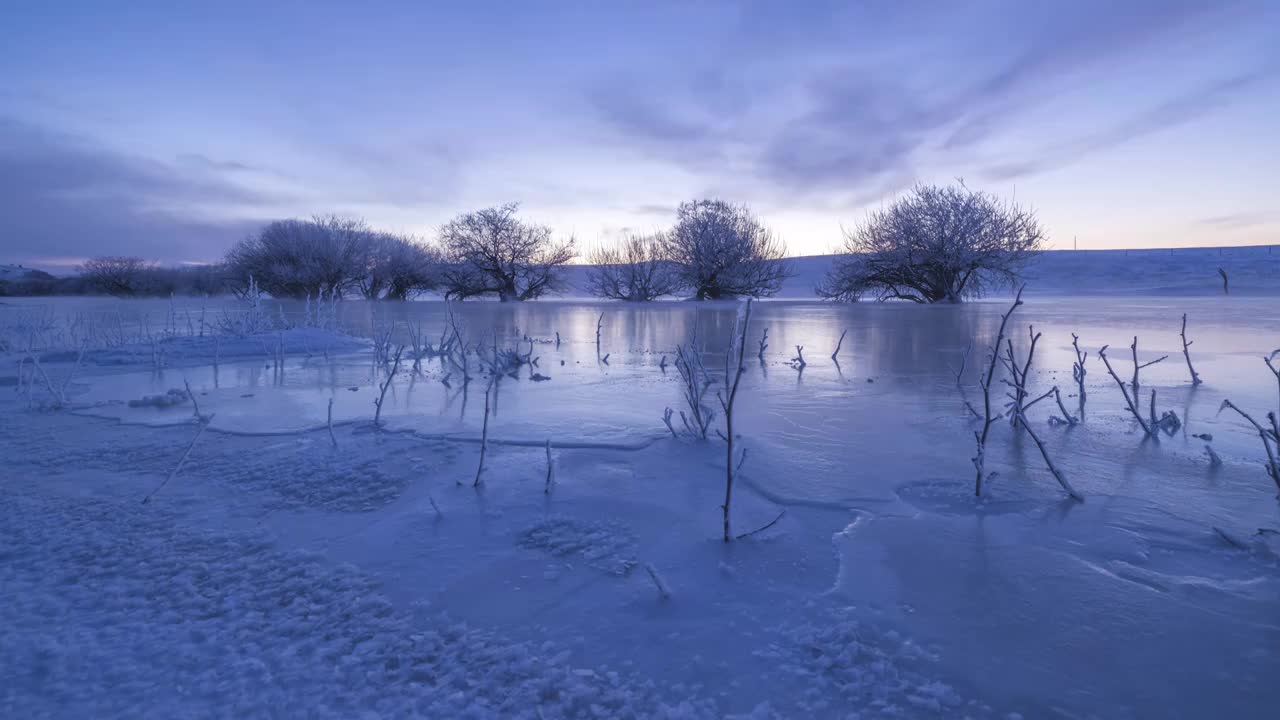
172,130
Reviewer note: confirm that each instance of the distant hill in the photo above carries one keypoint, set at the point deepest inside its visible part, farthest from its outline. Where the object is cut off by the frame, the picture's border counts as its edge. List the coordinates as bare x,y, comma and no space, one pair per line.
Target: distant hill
17,273
18,280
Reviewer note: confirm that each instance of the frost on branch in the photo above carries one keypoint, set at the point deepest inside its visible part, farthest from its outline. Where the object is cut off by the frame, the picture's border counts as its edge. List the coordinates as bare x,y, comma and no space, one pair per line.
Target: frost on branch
491,252
937,244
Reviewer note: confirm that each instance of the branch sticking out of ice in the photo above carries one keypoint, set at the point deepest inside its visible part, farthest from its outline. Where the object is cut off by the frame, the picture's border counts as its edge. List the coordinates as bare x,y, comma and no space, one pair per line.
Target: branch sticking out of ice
1186,345
181,461
663,591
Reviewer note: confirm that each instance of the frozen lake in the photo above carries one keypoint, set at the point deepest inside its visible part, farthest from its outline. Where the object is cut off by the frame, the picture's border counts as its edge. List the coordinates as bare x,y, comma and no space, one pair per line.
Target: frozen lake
1127,605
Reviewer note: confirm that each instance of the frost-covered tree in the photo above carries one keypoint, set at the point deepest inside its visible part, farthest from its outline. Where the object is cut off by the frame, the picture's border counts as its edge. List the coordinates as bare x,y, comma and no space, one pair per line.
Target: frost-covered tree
937,244
117,275
633,270
303,258
398,267
723,251
492,252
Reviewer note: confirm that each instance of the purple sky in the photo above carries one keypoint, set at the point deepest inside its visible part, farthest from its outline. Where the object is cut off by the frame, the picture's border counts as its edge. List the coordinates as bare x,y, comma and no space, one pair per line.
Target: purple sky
170,130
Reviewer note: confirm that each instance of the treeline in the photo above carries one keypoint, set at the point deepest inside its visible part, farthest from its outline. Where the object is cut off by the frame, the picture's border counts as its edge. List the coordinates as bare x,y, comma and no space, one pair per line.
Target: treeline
934,244
715,250
121,277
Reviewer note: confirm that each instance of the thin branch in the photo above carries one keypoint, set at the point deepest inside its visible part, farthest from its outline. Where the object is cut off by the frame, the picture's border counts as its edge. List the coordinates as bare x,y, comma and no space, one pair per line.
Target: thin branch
332,438
839,345
1150,431
762,528
195,405
551,473
663,590
979,460
382,393
484,432
1186,344
1071,420
181,461
1272,466
1078,371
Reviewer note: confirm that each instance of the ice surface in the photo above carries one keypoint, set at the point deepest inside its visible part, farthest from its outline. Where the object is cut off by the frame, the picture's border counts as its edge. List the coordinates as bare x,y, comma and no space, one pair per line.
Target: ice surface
280,575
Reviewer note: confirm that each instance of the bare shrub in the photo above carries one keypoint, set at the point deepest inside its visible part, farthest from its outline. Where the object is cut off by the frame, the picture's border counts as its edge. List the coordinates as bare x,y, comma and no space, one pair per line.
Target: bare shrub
300,258
635,270
397,267
724,251
937,244
492,252
117,275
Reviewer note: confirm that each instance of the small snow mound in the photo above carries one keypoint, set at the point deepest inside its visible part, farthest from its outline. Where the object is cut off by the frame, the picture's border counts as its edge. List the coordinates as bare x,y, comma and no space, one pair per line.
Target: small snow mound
604,546
170,398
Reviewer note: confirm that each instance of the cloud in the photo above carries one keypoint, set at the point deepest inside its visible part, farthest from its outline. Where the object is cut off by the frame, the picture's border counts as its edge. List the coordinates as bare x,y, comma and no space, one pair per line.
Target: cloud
64,196
1171,113
900,88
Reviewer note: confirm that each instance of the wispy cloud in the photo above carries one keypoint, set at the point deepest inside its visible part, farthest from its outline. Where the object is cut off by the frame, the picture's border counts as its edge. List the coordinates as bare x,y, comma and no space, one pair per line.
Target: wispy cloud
1171,113
1239,221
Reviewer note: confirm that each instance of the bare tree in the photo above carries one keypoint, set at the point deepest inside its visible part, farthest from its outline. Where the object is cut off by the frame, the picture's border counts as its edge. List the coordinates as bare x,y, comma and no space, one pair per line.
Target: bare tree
723,251
397,267
117,275
302,258
635,270
937,244
492,252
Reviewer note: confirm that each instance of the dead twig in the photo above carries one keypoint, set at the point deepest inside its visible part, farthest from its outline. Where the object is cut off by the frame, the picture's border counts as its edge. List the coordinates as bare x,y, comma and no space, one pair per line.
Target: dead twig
979,459
181,461
762,528
1130,401
484,431
1273,466
1186,344
838,346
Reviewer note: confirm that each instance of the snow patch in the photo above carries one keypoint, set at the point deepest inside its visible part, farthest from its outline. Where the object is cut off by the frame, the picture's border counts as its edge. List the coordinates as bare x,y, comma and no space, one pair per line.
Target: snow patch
604,546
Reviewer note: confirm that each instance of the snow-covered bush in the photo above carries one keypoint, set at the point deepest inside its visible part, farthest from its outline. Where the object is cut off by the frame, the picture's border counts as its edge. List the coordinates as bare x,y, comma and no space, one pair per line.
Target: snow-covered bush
297,258
398,267
722,250
937,244
635,270
250,316
492,252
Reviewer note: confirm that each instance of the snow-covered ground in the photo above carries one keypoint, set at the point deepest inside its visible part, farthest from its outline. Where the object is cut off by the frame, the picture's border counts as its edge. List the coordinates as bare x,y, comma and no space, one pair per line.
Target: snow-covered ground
284,572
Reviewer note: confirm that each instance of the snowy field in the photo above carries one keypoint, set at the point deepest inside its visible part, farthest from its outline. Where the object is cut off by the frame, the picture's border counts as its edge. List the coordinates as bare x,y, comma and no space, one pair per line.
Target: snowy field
287,570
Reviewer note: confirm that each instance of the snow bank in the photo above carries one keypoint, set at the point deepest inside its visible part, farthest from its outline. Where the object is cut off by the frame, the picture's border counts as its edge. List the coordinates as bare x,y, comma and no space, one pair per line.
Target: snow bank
114,610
